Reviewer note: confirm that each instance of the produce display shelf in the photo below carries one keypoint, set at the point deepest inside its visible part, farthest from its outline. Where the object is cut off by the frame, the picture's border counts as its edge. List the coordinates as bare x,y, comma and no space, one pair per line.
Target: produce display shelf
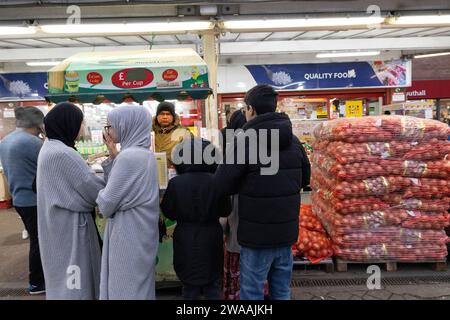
390,266
327,263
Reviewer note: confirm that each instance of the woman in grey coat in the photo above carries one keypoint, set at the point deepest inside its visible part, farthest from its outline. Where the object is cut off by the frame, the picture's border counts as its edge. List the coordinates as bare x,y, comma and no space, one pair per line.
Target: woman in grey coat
130,201
66,193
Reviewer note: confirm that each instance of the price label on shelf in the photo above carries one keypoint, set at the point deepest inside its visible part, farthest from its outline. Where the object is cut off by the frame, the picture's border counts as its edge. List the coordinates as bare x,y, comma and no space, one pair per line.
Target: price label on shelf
354,108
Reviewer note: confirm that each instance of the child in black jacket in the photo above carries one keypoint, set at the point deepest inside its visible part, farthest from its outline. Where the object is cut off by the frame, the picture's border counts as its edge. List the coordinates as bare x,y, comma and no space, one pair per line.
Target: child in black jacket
191,200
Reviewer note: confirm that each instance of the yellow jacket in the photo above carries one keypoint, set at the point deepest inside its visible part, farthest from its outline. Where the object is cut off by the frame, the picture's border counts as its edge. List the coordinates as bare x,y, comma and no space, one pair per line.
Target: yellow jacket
167,138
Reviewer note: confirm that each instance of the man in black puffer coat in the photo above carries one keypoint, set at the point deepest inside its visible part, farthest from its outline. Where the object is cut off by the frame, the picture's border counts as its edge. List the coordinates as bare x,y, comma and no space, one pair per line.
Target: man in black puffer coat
269,200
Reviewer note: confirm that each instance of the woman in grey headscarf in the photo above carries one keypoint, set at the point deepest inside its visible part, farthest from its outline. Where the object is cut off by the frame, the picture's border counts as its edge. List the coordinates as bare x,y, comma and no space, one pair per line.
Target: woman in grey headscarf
130,201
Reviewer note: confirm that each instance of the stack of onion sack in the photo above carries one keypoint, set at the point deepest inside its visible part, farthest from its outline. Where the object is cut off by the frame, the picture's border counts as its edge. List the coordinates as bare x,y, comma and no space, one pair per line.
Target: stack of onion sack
313,242
381,187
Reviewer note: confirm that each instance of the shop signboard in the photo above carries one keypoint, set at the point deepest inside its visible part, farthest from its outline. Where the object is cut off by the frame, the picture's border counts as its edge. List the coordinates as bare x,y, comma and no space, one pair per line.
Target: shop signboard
100,72
429,89
353,108
317,76
23,86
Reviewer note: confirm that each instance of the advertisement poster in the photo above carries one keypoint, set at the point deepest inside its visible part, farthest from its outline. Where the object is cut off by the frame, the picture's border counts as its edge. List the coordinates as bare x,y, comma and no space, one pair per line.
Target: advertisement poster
317,76
23,86
333,75
353,108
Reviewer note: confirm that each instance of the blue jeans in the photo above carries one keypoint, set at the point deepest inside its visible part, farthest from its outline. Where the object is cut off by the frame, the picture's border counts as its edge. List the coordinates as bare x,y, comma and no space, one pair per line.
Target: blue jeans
258,265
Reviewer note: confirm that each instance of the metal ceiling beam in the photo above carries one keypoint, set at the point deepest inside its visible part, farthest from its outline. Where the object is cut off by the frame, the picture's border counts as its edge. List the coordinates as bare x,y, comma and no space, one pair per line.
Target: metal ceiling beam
308,7
9,55
233,48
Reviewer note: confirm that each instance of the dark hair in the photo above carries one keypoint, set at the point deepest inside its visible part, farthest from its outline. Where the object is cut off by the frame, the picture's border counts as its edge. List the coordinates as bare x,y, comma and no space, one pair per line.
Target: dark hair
263,98
237,120
387,112
196,145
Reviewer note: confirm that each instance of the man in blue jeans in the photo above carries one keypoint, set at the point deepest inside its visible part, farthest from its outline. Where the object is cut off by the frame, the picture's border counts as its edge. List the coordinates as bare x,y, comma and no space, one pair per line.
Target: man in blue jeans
266,166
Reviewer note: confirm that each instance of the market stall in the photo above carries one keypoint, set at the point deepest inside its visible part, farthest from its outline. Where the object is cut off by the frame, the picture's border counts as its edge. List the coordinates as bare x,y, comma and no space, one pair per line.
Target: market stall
101,81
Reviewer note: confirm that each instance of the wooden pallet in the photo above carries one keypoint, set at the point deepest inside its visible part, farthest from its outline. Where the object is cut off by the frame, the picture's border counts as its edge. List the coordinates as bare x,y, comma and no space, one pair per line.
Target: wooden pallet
390,266
327,263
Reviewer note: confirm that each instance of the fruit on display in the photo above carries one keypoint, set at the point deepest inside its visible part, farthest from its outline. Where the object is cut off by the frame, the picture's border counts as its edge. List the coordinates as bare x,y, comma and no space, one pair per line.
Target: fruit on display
313,241
381,187
381,129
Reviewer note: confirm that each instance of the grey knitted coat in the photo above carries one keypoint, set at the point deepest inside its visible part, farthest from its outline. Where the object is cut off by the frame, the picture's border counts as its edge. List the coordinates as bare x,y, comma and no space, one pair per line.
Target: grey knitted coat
70,251
130,201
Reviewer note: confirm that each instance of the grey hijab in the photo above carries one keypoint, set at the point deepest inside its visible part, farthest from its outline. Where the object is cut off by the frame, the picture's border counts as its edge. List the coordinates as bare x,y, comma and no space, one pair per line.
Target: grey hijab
132,125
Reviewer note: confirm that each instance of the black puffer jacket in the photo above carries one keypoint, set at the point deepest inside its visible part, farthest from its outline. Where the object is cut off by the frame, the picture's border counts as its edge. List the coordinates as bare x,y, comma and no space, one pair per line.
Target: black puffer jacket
268,204
192,201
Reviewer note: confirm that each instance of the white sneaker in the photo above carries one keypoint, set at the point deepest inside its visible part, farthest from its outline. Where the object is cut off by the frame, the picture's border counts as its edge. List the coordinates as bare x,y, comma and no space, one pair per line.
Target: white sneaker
25,235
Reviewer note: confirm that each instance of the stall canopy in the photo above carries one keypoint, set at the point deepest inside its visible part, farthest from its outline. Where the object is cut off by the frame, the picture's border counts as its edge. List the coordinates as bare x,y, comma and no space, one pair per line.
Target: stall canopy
91,77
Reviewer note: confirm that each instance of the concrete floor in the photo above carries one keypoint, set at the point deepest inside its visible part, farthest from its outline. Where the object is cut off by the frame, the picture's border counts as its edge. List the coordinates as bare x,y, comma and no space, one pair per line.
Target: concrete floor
14,274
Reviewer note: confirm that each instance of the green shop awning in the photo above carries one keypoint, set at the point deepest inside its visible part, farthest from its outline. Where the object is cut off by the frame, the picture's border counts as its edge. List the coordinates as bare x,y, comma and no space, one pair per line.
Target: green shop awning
140,75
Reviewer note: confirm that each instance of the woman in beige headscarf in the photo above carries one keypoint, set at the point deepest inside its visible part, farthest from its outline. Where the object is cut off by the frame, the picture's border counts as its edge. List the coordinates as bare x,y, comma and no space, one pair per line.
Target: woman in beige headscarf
168,130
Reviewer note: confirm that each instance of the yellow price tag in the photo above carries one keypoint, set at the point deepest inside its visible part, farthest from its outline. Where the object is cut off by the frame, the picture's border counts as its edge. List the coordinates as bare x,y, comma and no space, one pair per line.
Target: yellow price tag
322,111
354,108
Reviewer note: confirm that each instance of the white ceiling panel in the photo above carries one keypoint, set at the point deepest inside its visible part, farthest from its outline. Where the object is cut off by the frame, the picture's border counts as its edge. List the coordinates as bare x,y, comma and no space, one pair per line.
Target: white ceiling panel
32,43
10,45
164,39
410,32
373,33
228,37
346,34
129,40
310,35
189,38
257,36
283,35
432,32
63,42
96,41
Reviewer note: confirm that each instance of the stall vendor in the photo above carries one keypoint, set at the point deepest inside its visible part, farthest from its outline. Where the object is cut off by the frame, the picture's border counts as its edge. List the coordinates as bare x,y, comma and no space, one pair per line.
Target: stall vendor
168,130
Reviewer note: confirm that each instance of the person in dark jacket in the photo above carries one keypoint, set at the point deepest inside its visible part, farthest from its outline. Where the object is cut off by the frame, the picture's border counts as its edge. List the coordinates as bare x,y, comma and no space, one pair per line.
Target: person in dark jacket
269,202
236,121
191,201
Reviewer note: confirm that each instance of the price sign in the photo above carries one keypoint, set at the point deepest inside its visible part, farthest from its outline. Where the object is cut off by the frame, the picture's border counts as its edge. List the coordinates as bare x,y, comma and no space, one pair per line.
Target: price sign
354,108
322,112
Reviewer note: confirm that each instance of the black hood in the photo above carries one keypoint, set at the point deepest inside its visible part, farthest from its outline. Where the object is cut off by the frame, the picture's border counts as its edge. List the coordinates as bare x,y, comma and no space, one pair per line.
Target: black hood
195,144
273,120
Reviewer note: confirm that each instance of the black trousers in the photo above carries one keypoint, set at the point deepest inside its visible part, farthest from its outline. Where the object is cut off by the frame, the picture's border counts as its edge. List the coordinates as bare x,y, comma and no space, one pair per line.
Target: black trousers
29,218
210,291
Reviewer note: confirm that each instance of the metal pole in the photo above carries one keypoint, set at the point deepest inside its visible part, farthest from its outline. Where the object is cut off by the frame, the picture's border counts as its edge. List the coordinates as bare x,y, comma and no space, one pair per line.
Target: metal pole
210,55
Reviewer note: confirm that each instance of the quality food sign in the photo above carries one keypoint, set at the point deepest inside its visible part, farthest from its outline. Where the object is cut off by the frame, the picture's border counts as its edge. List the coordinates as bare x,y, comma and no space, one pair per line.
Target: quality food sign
316,76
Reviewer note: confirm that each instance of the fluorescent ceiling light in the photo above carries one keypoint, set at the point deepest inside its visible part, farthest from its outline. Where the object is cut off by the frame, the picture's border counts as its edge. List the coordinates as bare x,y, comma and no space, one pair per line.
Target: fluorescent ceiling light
420,20
128,27
301,23
347,54
6,31
429,55
42,63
